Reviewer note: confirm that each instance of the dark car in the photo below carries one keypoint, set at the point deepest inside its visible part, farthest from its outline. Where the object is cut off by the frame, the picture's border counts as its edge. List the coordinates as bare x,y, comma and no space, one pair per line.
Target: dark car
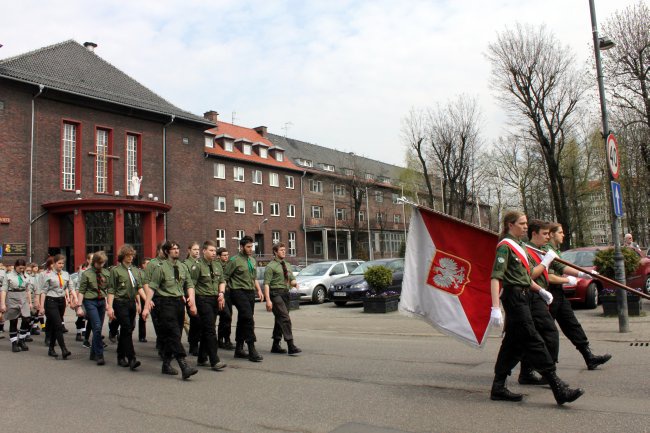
354,287
587,292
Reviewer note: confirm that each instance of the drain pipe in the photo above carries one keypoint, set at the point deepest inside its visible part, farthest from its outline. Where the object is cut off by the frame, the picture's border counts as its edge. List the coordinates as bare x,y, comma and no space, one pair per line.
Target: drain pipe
302,205
31,172
164,151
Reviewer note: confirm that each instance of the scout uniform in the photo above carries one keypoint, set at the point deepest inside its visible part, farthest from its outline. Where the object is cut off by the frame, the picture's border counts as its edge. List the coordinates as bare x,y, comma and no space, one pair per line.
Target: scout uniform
192,326
55,286
142,324
279,278
93,286
16,287
225,319
148,273
207,277
240,274
168,281
124,285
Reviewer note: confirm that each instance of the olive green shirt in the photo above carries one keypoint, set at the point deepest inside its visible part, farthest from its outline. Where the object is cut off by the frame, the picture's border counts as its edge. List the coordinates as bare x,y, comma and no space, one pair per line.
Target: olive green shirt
207,276
556,268
88,286
121,285
164,281
240,272
274,275
508,268
151,266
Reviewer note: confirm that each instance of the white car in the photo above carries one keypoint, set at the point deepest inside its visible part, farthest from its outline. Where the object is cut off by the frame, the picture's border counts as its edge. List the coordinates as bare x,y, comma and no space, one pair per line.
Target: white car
314,280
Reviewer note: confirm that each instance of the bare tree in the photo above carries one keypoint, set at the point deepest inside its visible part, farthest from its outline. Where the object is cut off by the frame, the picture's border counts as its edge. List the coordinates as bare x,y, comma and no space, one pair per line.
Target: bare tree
627,67
414,136
535,80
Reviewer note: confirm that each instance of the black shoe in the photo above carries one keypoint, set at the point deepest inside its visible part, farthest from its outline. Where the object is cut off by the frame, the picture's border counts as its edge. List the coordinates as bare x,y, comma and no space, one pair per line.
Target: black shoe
253,356
218,366
65,330
15,347
92,356
122,362
276,348
79,337
142,340
186,370
293,349
227,345
112,338
168,369
561,391
65,353
86,344
593,361
52,353
499,392
240,352
23,345
530,378
100,360
133,364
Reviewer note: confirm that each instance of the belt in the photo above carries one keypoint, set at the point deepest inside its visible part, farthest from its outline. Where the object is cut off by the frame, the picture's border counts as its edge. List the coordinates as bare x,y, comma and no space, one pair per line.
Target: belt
123,300
17,290
524,290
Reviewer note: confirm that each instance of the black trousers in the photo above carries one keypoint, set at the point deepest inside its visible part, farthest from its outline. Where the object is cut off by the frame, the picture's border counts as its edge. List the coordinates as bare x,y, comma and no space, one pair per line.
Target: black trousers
171,315
194,332
54,312
225,318
562,312
244,301
142,324
521,337
282,326
125,316
207,308
113,327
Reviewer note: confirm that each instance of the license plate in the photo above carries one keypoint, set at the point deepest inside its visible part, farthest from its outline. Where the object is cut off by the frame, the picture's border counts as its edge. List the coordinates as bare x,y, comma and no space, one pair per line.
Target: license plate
340,294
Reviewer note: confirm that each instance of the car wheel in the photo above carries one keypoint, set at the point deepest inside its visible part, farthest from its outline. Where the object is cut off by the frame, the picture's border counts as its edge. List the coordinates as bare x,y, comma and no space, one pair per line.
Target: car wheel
340,303
591,297
318,295
647,285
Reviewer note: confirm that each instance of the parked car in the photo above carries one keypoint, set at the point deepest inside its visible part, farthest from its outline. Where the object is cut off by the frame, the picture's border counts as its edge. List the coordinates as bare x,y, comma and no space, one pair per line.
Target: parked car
587,292
354,287
314,279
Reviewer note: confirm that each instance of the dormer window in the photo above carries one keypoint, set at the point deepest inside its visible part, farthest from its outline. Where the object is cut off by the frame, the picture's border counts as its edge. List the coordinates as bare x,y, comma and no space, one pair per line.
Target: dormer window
227,145
247,149
279,156
327,167
209,141
369,176
348,172
304,162
264,152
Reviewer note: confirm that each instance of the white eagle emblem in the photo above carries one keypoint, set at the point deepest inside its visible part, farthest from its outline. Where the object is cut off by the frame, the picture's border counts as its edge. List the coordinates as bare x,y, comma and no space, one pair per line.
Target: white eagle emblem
449,275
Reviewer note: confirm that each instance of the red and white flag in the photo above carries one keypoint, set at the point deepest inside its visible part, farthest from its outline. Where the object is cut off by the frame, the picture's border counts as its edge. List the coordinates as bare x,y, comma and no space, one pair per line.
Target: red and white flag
447,275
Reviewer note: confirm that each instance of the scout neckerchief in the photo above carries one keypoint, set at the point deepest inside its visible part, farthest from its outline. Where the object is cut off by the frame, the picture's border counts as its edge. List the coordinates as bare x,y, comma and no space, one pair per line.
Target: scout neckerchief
20,281
101,282
537,259
285,272
518,250
251,268
58,274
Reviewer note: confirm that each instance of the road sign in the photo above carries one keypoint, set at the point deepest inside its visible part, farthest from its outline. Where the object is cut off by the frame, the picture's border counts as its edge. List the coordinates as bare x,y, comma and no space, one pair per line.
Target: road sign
617,199
613,160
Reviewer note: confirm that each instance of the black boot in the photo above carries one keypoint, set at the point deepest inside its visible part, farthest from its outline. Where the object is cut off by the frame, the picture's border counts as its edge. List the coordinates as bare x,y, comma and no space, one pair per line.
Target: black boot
167,367
252,353
194,349
23,345
51,352
134,363
15,347
500,392
561,391
186,370
527,376
65,353
239,350
276,348
592,360
293,349
227,344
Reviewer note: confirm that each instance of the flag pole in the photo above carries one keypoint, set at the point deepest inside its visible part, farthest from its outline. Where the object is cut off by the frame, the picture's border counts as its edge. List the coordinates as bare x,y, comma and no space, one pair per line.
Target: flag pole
593,275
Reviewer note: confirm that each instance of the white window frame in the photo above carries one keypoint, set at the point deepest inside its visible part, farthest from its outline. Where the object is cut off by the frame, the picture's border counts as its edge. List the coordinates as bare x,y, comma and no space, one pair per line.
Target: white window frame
397,218
316,186
275,209
238,174
341,214
291,240
101,161
219,204
221,238
340,190
369,176
362,216
264,152
379,196
209,142
289,182
240,234
279,156
291,211
247,149
395,198
131,156
258,207
275,237
228,145
257,177
219,170
274,180
317,210
239,204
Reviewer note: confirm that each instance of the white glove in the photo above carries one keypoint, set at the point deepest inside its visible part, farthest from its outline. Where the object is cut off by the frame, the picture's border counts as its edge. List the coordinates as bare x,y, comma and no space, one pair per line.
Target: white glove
496,318
585,275
548,258
572,280
546,296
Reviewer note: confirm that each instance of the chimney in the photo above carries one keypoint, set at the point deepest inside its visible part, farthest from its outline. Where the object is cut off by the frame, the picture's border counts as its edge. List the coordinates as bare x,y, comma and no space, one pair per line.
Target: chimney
211,115
261,130
90,46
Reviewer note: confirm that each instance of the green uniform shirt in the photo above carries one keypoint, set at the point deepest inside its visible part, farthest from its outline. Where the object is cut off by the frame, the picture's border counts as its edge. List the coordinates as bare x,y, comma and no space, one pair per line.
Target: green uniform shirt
556,268
121,285
207,276
169,279
508,267
88,283
240,272
274,275
148,272
191,262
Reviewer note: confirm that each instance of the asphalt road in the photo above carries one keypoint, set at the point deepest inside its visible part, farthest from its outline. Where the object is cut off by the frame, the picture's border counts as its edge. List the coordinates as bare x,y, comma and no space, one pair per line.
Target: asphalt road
358,373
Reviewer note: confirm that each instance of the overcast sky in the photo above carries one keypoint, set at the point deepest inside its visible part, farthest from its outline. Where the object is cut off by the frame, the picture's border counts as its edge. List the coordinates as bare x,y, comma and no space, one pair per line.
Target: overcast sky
341,74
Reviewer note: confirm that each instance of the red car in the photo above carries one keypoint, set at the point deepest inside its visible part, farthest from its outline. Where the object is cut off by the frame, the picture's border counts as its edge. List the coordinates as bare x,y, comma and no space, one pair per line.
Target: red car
586,292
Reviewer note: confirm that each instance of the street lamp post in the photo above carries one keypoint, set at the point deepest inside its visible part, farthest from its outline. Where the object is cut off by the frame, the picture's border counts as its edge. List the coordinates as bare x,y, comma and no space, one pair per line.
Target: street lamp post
619,265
